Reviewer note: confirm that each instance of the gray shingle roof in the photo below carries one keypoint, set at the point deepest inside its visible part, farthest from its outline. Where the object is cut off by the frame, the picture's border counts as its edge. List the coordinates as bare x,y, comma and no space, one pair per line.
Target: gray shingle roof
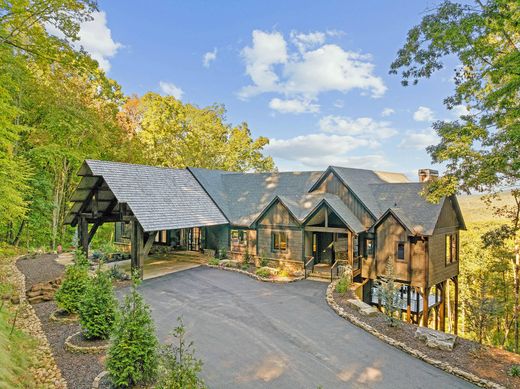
358,180
406,202
160,198
243,196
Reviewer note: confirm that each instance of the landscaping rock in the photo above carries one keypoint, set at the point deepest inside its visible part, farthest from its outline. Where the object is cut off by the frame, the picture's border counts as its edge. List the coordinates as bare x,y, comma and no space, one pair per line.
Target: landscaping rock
436,339
362,307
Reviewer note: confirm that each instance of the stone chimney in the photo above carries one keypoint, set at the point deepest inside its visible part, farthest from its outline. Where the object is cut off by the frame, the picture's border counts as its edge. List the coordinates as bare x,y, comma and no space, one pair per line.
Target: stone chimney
426,175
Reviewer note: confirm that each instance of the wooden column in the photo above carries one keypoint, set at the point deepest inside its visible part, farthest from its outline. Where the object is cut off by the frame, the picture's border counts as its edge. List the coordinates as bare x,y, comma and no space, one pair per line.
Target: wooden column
83,234
409,304
426,309
137,245
442,307
456,305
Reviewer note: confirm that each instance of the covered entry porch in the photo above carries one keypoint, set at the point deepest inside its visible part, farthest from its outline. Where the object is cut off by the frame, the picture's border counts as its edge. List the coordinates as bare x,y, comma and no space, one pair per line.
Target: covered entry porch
146,201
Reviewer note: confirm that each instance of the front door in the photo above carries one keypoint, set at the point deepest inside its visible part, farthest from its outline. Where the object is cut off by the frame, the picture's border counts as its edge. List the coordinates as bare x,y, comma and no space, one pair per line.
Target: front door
323,247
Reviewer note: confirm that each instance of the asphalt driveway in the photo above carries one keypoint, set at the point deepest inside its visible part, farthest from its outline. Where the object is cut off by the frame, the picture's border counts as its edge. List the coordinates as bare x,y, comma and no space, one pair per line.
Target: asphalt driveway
253,334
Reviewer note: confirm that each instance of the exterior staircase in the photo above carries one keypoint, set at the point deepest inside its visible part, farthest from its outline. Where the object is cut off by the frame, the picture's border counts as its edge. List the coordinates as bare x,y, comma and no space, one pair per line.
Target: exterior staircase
321,272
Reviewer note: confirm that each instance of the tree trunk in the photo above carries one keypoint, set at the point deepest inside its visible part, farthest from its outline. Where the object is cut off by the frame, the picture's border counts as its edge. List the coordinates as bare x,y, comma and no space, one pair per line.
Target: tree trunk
517,289
16,240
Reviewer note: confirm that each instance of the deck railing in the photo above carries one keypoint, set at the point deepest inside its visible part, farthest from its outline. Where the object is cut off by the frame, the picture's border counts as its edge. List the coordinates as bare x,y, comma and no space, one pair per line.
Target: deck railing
309,263
334,268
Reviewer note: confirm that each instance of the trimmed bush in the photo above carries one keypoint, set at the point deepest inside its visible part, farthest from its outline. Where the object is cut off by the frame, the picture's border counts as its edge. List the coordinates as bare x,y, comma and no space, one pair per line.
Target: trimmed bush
132,357
214,261
343,285
264,262
97,310
263,272
73,287
179,369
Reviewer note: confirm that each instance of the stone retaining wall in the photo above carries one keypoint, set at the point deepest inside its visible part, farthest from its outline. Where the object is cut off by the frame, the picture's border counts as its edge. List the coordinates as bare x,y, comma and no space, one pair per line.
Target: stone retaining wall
404,347
45,371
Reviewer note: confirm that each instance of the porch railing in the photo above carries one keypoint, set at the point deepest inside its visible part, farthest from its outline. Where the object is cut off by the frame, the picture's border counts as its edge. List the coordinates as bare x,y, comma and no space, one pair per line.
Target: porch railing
309,263
356,265
334,268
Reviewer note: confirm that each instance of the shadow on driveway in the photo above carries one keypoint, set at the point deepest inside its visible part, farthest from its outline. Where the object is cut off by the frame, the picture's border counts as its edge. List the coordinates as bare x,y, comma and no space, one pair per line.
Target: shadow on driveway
252,334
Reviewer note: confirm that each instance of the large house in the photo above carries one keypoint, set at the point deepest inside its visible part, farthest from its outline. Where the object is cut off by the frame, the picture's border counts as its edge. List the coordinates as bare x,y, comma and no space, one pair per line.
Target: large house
295,220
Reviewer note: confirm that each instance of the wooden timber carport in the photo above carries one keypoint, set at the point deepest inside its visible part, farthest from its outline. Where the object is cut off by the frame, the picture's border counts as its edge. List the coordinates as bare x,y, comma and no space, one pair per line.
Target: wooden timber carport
150,198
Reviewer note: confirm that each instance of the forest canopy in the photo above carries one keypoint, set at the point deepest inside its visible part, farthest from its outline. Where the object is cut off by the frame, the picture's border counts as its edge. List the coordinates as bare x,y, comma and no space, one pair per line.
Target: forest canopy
57,108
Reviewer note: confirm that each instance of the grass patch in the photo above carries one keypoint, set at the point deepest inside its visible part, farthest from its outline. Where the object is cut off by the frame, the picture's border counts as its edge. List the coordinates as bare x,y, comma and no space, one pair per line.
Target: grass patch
15,356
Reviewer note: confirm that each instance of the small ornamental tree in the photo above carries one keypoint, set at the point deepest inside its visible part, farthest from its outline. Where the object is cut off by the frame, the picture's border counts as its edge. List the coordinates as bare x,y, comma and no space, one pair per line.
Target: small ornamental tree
132,357
97,310
179,369
74,284
389,294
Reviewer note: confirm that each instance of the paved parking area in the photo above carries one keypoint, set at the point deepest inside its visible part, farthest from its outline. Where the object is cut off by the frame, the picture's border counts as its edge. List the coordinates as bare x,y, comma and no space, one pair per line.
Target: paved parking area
252,334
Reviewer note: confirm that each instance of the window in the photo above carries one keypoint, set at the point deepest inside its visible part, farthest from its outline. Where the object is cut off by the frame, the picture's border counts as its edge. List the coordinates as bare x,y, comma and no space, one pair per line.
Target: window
279,241
239,237
161,236
370,247
400,251
356,246
450,252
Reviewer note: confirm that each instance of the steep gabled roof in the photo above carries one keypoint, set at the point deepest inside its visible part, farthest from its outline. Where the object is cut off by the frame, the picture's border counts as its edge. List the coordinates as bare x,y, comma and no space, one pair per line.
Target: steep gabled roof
160,198
302,207
405,201
358,181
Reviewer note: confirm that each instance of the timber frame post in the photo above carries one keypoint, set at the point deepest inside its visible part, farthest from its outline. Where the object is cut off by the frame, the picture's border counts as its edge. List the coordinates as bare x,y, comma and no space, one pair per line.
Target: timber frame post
83,239
442,307
426,306
141,243
456,305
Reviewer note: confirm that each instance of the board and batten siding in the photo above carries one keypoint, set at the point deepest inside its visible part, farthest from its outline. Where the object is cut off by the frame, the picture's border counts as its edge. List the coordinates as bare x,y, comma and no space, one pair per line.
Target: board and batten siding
278,219
447,223
332,184
412,269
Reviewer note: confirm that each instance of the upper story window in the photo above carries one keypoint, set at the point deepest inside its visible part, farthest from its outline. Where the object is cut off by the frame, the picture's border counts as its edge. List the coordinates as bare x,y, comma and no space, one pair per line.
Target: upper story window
279,241
400,251
450,244
369,247
239,237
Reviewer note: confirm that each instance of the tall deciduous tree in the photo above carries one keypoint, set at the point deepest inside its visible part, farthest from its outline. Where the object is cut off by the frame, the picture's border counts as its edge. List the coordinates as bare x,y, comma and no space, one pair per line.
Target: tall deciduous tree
482,148
167,132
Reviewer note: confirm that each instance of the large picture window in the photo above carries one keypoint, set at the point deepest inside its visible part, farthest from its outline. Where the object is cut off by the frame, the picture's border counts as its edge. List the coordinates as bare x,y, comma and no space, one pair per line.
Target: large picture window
279,241
450,243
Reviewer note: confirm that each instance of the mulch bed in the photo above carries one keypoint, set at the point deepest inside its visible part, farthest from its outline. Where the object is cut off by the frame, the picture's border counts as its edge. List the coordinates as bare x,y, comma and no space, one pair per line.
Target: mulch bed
80,340
78,369
42,268
486,362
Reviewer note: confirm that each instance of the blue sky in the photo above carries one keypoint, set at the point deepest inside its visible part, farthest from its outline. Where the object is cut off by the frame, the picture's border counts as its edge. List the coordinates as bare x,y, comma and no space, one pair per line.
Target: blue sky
312,76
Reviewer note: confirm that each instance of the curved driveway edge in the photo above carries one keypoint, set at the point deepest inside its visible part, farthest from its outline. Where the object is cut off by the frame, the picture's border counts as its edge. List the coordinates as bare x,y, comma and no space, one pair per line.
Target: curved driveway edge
254,276
404,347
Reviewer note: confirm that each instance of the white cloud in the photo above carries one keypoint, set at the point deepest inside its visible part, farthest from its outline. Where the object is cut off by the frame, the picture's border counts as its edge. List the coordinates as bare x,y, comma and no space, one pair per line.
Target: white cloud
307,41
304,74
338,137
360,127
387,112
171,89
95,38
423,114
339,103
293,106
419,140
209,57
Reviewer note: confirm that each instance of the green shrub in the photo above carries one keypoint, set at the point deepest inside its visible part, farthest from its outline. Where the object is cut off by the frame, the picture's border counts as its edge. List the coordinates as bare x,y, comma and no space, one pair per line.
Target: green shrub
343,285
263,272
179,369
73,287
223,253
245,266
214,261
514,371
116,273
97,310
80,258
132,357
264,262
